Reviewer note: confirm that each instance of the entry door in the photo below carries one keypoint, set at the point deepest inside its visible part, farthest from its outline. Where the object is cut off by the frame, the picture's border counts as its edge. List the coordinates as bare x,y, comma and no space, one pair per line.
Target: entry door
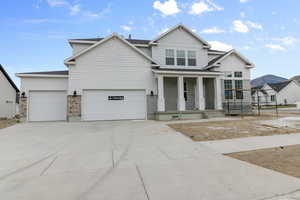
114,104
47,106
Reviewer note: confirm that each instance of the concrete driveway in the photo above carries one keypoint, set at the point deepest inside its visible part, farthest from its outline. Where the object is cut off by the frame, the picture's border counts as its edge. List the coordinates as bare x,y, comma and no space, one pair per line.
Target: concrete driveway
126,160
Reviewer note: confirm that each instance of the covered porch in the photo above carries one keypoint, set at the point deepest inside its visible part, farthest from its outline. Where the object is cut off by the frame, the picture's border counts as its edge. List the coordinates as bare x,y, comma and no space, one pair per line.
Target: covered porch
188,94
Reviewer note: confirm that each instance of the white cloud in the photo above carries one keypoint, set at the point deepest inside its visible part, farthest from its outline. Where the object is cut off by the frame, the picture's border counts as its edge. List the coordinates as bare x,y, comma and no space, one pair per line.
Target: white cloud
194,30
74,10
95,15
240,26
254,25
213,30
288,41
220,46
244,1
169,7
126,28
204,6
57,3
275,47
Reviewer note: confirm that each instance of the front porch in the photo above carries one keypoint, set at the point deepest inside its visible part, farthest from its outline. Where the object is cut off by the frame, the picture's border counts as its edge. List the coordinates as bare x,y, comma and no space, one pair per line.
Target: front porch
188,95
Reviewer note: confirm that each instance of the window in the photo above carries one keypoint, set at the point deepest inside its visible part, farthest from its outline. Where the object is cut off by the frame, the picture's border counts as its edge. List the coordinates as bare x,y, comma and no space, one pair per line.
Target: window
228,89
238,74
273,98
192,58
170,57
239,89
180,57
228,74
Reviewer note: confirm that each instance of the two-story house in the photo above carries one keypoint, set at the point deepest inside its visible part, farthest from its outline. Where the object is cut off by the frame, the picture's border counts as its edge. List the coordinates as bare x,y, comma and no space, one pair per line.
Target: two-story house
175,75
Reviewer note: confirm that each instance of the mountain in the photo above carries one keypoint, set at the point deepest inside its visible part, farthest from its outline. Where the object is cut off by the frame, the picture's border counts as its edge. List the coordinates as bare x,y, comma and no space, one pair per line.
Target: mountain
267,79
295,78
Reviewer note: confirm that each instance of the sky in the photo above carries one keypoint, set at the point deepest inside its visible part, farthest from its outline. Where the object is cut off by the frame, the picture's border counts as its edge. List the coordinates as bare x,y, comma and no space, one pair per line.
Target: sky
34,33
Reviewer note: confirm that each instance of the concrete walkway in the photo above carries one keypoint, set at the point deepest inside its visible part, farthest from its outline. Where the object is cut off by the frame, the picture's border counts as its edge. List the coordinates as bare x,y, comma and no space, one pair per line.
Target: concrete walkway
127,160
251,143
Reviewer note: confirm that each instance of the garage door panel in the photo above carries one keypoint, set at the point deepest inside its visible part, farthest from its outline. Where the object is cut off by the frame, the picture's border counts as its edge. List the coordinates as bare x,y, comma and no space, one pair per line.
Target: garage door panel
97,105
47,106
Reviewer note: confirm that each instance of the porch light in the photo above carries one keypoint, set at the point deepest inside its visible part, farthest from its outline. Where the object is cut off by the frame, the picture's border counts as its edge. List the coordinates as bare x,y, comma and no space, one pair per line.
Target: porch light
151,93
74,93
23,94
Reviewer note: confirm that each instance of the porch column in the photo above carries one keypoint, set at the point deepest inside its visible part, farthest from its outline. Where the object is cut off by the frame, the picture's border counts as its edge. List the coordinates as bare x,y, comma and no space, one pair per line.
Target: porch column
180,98
160,91
218,92
200,101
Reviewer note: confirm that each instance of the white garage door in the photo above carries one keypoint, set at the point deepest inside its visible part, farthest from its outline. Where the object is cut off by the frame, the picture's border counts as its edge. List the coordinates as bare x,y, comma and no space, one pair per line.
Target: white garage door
114,105
47,105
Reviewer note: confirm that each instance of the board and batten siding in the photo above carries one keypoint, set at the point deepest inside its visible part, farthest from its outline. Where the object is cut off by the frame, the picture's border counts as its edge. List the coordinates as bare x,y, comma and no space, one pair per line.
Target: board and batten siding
179,39
112,65
7,98
43,84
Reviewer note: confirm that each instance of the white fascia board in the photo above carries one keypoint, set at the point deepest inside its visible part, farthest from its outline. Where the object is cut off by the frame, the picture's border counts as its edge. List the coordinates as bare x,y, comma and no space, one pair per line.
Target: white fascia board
206,44
114,35
187,72
42,75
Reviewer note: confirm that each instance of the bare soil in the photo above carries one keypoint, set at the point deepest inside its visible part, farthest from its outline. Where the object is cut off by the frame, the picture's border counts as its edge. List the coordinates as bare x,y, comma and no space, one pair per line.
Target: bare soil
282,159
7,122
229,129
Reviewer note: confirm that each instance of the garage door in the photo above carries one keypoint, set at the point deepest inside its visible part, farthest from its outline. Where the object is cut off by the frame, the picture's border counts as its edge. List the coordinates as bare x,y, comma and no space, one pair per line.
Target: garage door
47,106
114,105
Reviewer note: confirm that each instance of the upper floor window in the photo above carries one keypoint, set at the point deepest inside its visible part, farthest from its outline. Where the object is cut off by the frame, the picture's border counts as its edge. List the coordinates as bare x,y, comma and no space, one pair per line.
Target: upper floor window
238,74
192,58
170,57
180,57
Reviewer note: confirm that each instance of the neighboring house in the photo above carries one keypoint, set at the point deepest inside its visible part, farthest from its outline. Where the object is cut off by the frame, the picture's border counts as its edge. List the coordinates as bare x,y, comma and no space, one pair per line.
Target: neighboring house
295,78
287,92
175,75
8,95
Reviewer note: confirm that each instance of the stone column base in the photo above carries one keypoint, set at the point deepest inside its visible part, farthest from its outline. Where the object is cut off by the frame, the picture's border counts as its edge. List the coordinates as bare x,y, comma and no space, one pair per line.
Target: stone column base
74,108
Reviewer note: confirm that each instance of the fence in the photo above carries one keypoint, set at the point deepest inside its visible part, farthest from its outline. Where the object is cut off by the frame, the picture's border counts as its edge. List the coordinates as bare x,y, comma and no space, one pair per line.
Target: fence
253,101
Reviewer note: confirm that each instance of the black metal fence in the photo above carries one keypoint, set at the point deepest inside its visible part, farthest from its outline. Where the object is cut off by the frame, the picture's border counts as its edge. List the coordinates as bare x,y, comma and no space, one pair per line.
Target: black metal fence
249,102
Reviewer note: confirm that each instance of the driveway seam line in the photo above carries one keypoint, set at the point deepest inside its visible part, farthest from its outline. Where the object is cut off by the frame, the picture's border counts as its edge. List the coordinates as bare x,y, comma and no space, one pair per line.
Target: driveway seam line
143,183
50,164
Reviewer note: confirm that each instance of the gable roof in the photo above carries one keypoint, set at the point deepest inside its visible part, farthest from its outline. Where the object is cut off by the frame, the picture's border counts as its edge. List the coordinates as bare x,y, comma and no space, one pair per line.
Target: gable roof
216,61
180,26
9,79
279,86
71,59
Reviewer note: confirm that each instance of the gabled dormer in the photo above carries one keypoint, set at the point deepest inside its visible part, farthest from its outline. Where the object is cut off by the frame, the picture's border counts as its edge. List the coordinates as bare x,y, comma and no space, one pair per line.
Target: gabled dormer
180,47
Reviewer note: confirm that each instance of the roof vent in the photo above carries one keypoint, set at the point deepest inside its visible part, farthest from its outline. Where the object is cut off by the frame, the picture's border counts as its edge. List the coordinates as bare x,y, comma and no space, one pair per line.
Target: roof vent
129,36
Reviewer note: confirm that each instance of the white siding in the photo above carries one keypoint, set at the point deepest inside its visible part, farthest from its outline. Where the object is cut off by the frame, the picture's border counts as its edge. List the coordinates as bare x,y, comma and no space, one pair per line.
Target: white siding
179,39
43,84
291,93
111,65
79,47
7,98
145,50
234,63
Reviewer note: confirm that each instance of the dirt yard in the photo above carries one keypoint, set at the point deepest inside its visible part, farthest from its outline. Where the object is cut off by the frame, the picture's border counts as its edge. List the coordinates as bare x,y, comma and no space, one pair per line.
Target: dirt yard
7,123
247,127
282,159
